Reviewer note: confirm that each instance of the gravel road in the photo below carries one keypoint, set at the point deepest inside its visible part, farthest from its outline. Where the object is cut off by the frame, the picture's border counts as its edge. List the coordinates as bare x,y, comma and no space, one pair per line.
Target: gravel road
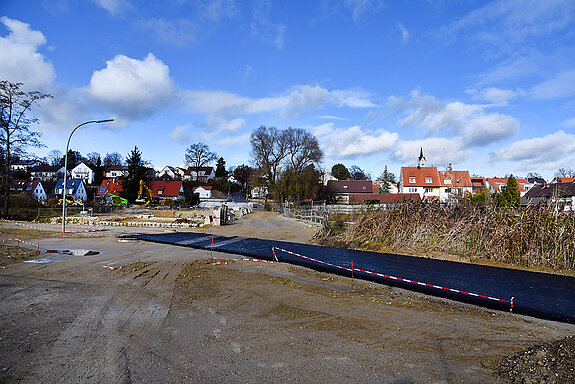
170,315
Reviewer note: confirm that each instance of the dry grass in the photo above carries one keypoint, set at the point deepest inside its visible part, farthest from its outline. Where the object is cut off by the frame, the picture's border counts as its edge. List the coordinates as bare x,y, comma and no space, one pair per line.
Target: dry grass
533,237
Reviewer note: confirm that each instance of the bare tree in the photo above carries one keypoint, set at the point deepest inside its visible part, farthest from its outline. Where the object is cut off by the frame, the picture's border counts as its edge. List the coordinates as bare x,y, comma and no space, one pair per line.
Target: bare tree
15,133
268,151
199,155
92,157
113,159
54,157
565,172
302,149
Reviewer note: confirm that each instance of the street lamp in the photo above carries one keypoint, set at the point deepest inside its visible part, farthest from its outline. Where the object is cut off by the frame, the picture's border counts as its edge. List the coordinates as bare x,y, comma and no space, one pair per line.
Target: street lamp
66,169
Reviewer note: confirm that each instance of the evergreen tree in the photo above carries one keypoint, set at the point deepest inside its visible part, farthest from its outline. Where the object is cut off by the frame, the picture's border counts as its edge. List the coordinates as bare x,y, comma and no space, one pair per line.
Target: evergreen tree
340,172
510,197
99,172
136,172
386,178
221,167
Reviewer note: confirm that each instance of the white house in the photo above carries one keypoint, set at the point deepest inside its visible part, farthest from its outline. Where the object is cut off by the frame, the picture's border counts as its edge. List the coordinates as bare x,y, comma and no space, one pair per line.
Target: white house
172,173
47,172
201,174
116,171
204,191
33,188
84,171
75,189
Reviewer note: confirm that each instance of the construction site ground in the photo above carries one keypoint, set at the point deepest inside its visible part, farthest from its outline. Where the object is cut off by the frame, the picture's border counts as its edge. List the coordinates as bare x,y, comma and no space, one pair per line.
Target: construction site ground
177,315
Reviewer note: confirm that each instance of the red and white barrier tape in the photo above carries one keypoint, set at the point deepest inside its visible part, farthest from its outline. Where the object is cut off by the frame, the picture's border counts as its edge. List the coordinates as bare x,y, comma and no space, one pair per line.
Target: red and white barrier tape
111,267
245,259
37,245
510,302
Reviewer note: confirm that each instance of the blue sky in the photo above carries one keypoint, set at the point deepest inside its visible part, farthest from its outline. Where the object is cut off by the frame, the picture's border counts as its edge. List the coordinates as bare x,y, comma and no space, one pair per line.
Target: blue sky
488,86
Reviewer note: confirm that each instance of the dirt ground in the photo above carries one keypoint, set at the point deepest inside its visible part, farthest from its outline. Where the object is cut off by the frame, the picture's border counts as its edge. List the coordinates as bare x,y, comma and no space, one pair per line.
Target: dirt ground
175,315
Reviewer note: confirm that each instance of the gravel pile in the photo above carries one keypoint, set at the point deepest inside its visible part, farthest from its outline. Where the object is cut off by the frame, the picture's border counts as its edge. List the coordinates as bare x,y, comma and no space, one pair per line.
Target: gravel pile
552,363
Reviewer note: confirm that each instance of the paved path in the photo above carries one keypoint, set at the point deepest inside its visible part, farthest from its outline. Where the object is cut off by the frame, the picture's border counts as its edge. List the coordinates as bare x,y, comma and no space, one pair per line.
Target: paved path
535,294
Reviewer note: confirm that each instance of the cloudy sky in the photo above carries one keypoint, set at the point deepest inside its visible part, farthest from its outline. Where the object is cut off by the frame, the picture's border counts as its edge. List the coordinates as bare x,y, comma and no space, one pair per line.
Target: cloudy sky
488,86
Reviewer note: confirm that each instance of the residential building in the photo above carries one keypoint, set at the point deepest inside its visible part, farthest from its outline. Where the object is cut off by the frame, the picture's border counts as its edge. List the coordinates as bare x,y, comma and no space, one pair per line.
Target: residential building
204,191
424,181
384,198
84,171
478,183
165,190
112,186
454,184
33,188
559,195
46,172
343,189
200,174
563,180
116,171
23,165
75,189
497,184
171,173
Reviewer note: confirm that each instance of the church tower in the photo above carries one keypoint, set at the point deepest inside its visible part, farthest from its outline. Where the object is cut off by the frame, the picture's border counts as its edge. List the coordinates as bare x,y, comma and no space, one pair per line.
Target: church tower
421,159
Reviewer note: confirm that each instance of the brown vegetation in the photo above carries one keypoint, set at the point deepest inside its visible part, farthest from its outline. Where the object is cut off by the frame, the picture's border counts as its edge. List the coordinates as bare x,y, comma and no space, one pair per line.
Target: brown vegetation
536,236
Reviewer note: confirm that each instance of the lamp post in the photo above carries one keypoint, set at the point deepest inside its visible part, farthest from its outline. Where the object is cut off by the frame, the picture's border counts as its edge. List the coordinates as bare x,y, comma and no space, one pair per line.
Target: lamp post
66,168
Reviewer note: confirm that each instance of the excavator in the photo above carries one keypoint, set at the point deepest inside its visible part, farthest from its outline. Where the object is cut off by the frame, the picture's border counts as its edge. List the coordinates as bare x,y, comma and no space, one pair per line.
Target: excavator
71,202
145,195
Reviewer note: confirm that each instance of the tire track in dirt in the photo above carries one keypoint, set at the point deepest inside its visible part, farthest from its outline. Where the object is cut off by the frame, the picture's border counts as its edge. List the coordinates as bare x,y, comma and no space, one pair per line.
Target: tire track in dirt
97,345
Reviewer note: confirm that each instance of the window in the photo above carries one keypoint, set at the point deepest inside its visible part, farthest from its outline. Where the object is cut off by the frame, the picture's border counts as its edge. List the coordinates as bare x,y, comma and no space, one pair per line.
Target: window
428,179
413,180
447,181
428,190
345,187
160,192
364,187
457,181
412,190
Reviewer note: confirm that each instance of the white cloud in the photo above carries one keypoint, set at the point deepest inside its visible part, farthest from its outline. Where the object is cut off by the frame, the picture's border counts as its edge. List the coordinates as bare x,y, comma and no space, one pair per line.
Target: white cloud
361,7
437,150
494,96
468,122
132,88
178,32
404,33
114,7
295,101
547,152
232,141
21,61
216,10
563,85
261,25
352,141
219,124
181,134
506,23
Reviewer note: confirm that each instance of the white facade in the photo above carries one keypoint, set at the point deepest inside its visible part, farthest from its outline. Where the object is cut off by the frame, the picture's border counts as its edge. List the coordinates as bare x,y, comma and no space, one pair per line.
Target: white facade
84,172
204,192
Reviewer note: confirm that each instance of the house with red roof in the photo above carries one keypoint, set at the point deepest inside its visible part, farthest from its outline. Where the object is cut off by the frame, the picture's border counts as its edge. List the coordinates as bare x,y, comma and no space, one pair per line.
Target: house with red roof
112,186
434,185
167,190
33,188
563,180
498,184
454,184
205,191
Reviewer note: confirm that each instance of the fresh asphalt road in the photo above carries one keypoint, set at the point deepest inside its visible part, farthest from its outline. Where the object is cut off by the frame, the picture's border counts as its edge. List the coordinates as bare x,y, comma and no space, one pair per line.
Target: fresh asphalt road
535,294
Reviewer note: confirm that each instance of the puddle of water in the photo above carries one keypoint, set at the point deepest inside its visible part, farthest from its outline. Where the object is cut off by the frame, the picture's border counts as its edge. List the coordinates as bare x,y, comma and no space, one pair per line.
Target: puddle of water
42,261
74,252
